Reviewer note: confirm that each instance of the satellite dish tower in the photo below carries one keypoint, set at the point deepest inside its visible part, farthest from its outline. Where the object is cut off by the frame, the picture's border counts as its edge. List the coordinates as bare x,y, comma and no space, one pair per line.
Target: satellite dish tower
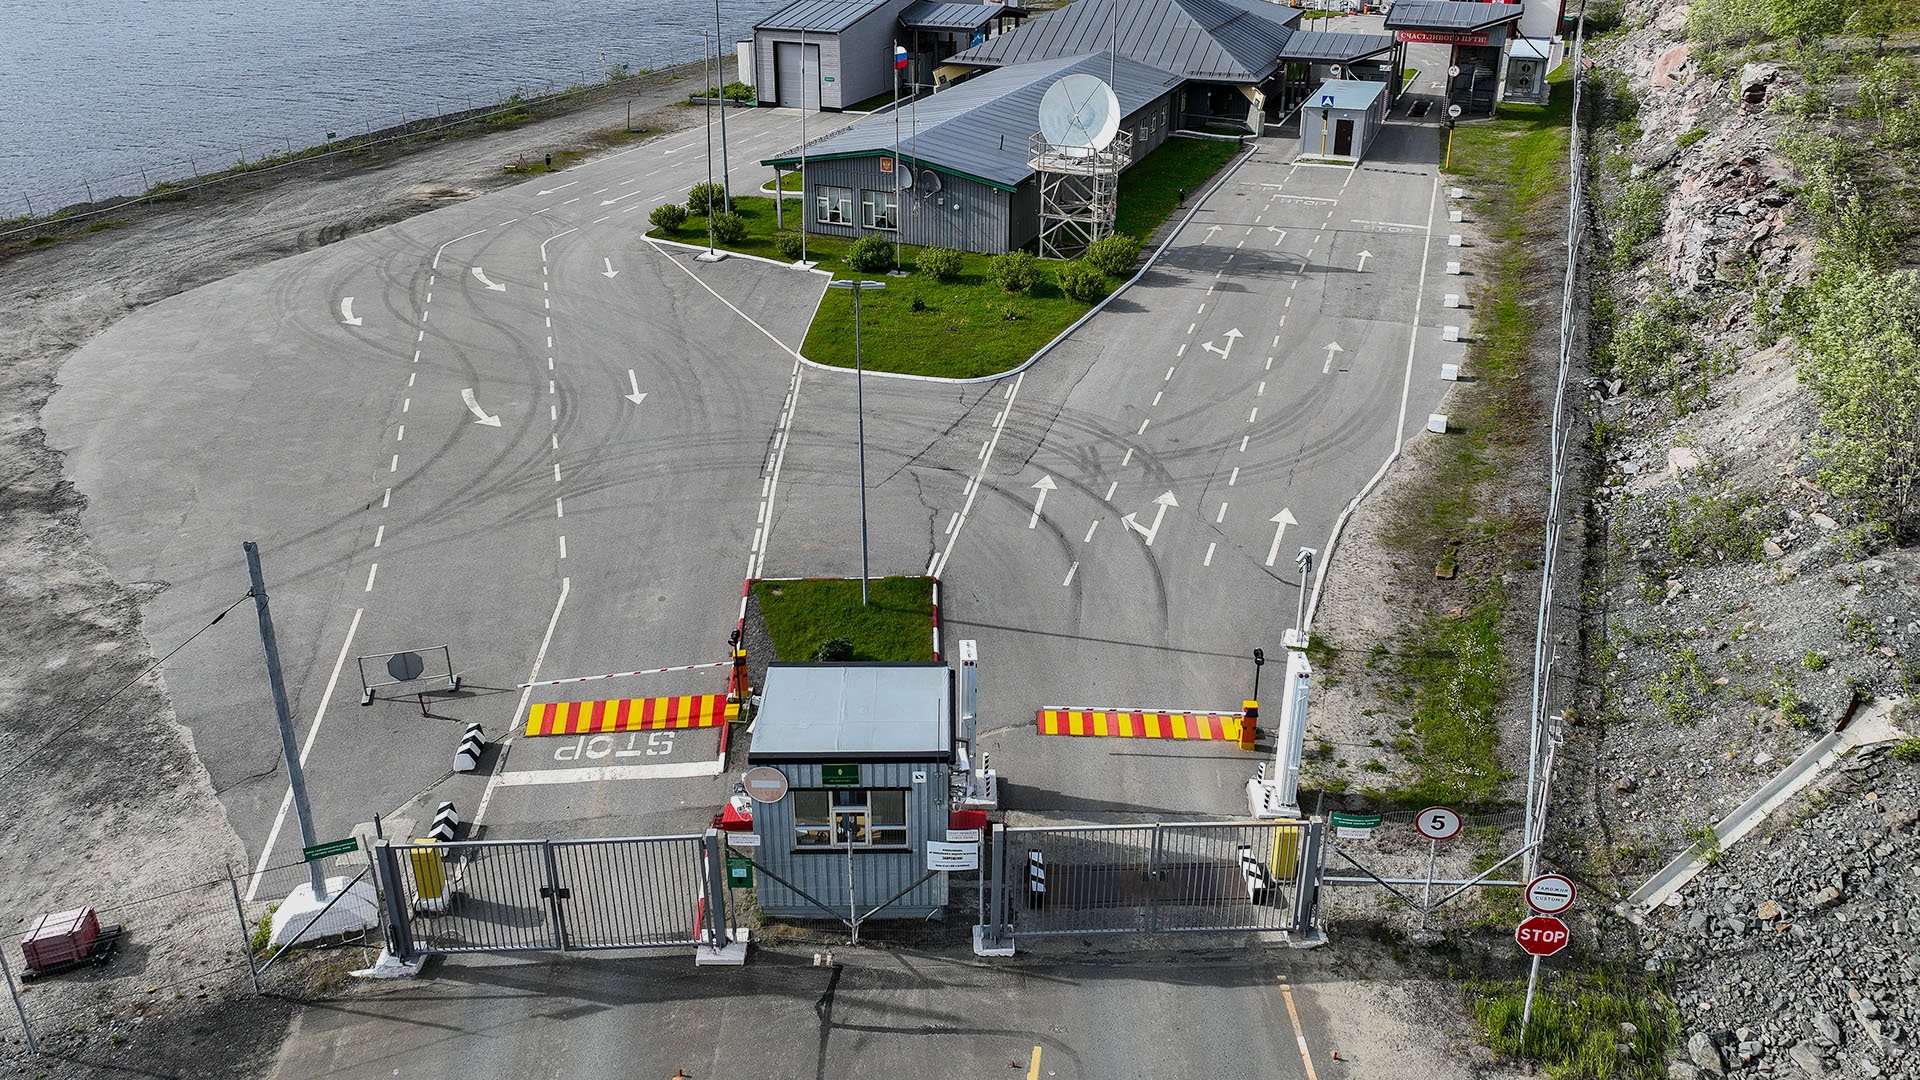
1078,154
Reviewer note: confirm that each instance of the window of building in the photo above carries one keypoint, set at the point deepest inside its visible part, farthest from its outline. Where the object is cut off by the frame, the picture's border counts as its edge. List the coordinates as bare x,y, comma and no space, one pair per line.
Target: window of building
837,818
833,205
879,210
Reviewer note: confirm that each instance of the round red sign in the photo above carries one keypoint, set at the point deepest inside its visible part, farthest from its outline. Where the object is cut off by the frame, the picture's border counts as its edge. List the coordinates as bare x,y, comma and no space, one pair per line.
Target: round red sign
1542,935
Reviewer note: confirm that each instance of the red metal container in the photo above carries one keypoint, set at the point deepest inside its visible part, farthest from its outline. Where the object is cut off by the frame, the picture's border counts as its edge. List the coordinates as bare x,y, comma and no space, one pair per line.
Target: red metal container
60,938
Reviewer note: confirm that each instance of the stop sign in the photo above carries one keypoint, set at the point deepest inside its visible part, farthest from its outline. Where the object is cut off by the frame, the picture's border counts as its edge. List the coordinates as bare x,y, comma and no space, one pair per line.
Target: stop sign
1542,935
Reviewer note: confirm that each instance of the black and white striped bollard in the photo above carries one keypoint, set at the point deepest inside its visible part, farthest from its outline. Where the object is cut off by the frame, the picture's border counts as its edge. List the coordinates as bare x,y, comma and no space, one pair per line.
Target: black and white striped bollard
1036,878
472,745
445,821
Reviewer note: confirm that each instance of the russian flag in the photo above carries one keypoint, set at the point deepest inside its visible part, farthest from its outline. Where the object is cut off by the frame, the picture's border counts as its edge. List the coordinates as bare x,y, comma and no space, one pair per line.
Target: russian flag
899,57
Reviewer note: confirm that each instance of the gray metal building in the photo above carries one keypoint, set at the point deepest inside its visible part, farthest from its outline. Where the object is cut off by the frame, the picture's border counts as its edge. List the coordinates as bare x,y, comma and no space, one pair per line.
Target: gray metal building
834,52
967,183
1340,119
867,750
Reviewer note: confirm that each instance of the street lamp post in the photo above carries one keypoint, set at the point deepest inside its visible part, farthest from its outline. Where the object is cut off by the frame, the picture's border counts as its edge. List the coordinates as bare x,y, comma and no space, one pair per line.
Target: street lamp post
709,188
860,414
719,76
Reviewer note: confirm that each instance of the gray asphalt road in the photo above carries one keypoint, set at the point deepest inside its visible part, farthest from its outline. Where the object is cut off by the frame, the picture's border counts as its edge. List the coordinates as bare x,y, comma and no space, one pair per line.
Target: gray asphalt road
876,1014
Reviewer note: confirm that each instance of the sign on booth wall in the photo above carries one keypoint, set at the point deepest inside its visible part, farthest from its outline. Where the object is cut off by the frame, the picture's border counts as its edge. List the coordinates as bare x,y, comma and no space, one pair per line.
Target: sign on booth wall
942,855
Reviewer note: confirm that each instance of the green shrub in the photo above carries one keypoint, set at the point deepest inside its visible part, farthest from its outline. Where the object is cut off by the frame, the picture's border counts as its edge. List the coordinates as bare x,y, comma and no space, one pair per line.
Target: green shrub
789,245
1907,750
1081,281
729,228
940,264
1860,355
669,216
1114,255
1637,218
1691,137
737,91
704,198
1715,528
1650,345
1016,271
871,254
837,650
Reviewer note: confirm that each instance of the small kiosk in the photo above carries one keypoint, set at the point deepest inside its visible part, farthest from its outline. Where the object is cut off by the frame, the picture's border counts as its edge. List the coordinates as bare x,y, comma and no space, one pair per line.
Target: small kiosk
866,751
1339,120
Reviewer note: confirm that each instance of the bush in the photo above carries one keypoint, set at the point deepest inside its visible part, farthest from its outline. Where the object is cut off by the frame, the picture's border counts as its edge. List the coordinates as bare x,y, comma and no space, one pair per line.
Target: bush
940,264
871,254
704,198
729,228
1016,271
1079,280
837,650
1114,255
737,91
669,216
789,245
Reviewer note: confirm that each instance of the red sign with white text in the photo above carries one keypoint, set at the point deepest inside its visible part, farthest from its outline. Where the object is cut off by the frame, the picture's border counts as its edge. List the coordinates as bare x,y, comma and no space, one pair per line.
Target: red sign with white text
1441,37
1542,935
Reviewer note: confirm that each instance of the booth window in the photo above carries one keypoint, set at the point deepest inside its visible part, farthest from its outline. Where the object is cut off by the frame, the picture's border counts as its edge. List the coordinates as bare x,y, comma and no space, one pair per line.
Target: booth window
834,819
834,205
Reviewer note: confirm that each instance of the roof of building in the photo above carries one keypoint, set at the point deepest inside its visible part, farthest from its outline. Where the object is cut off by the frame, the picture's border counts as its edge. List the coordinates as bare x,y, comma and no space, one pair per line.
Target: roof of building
1338,48
858,711
1220,40
927,15
820,16
1452,15
1528,48
979,128
1353,94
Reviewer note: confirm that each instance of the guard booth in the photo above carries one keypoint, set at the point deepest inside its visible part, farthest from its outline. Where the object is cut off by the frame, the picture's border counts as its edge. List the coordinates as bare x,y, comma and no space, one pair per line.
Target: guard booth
1340,119
866,751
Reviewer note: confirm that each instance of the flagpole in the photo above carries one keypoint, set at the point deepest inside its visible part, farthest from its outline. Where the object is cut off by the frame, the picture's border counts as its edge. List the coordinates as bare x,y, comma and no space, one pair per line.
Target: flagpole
804,197
896,154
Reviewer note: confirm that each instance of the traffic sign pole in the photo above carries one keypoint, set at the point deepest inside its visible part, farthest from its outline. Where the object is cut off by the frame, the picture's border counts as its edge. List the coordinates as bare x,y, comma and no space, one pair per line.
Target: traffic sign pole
1526,1012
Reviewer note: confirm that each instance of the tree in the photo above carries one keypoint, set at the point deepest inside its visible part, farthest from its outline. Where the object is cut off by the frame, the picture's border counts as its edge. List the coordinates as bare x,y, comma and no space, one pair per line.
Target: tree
1806,19
1860,354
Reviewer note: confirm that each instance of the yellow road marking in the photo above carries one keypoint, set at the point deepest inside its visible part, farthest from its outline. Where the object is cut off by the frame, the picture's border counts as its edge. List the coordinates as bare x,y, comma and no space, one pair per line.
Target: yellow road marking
1299,1036
1033,1070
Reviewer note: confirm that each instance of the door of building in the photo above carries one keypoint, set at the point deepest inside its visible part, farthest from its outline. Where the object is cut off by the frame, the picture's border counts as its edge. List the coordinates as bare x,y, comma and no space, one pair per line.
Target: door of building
796,74
1343,138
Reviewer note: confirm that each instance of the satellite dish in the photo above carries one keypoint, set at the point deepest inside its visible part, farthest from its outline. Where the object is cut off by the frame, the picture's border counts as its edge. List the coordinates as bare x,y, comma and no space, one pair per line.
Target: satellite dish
1079,115
929,182
906,178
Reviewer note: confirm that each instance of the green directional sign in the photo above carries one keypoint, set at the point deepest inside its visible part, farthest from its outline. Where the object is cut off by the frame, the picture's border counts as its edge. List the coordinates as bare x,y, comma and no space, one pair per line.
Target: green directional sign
329,849
1354,821
840,775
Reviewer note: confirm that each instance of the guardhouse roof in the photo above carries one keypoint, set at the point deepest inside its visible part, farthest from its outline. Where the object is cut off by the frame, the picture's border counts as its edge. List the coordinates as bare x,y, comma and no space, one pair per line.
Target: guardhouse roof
855,712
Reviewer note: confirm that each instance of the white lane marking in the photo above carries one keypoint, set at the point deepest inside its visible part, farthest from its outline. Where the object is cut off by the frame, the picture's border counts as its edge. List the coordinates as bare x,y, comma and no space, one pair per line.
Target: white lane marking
555,439
400,435
1269,366
1222,515
559,508
1190,327
1110,490
1181,351
553,413
941,562
659,770
1169,377
372,569
1233,477
346,311
779,462
313,732
520,710
1143,426
1399,431
379,534
394,465
416,356
491,285
563,546
982,455
1126,457
406,404
387,499
556,472
1088,539
1253,413
410,377
951,522
1070,573
422,336
1208,561
760,515
1276,342
424,314
450,243
1243,443
1156,398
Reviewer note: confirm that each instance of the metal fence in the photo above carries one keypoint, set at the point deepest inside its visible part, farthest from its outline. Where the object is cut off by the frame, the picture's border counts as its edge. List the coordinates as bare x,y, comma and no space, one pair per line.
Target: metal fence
520,895
1164,877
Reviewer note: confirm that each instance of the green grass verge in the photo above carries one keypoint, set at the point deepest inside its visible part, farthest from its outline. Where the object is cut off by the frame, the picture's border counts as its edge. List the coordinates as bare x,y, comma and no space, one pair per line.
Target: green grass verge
1575,1031
896,624
1453,674
1150,191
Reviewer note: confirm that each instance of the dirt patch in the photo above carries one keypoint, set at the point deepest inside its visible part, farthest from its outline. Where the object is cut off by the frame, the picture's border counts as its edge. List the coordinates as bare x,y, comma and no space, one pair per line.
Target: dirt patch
103,800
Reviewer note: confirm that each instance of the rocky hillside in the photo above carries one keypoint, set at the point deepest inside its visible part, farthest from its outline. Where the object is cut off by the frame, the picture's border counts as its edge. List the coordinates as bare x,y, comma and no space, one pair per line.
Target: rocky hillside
1753,577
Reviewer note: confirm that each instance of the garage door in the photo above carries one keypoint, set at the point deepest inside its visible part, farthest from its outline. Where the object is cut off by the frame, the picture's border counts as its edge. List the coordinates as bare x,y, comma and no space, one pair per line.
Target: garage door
795,74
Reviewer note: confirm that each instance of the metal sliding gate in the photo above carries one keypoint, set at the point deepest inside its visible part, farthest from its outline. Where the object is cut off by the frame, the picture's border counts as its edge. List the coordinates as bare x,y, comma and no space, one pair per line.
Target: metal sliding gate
513,895
1162,877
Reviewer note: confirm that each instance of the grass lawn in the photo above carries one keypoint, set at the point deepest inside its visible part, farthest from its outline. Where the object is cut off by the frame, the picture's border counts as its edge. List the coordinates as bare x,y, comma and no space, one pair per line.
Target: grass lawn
968,327
1150,191
896,624
1576,1022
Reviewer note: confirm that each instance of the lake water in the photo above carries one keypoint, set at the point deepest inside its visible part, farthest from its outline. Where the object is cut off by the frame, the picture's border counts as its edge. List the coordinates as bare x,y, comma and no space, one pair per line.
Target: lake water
98,90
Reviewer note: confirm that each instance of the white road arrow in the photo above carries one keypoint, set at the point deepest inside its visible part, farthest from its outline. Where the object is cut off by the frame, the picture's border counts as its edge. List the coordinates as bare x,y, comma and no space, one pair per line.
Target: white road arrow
617,198
1211,229
473,406
1364,256
551,190
1044,484
1332,347
1151,531
346,312
481,276
1283,519
636,397
1280,234
1231,336
610,272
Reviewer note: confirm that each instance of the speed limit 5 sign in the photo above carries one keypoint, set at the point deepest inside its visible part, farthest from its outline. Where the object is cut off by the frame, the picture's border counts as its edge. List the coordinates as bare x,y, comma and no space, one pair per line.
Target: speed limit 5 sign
1438,823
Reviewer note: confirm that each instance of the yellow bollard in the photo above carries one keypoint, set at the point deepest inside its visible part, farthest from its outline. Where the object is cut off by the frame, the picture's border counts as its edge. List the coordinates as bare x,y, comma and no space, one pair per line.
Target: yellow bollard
429,877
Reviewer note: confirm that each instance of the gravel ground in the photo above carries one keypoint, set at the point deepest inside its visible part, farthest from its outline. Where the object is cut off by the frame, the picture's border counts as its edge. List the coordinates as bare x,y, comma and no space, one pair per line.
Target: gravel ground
102,798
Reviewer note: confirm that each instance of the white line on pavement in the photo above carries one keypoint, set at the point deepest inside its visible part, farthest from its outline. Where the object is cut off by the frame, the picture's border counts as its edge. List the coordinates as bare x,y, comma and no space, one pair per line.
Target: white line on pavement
1070,573
659,770
1126,457
372,569
1208,561
1088,539
1110,490
1234,477
520,710
313,730
941,562
1222,515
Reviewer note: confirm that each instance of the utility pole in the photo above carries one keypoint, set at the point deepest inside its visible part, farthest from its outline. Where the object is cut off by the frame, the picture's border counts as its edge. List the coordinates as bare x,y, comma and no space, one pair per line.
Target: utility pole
296,775
719,73
860,411
709,189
